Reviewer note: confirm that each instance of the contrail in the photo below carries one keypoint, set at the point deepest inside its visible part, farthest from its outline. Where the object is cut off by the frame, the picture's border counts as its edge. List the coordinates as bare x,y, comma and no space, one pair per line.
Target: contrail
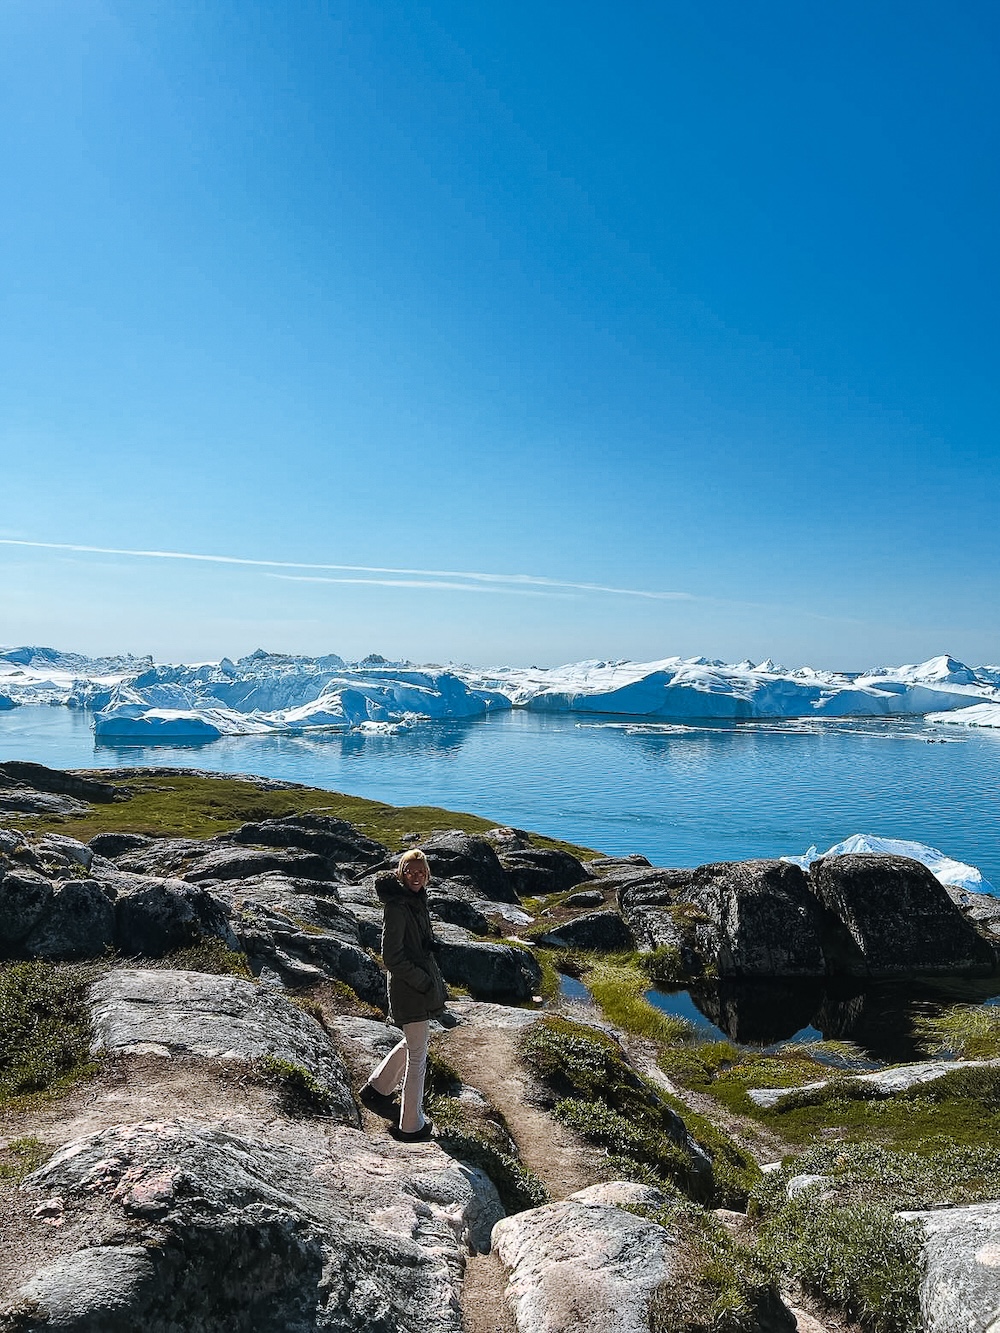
494,589
524,579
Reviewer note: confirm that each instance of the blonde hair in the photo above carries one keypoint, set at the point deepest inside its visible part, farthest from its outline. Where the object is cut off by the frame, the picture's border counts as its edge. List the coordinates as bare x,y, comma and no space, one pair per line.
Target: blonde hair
413,857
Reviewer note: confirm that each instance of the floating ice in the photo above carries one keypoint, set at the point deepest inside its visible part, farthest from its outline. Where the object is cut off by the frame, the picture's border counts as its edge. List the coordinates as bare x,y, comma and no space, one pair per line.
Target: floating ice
955,874
286,693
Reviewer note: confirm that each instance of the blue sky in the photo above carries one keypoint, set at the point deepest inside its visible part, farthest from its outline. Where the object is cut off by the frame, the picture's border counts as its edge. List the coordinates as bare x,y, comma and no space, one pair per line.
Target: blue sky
693,300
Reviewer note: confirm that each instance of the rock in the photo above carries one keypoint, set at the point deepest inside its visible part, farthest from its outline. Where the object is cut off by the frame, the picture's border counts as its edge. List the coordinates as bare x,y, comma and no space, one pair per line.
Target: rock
961,1284
79,923
585,898
66,850
25,897
448,902
898,917
26,801
456,855
59,781
161,856
884,1082
365,1040
605,865
217,1017
344,847
583,1267
654,887
226,863
239,1234
113,845
765,920
535,871
488,971
599,931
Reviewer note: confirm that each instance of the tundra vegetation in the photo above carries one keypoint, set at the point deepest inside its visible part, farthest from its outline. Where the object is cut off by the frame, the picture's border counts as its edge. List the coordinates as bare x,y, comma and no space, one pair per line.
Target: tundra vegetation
651,1100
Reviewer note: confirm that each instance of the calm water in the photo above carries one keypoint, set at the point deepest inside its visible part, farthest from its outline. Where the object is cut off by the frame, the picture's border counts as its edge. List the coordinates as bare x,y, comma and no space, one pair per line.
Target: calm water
681,795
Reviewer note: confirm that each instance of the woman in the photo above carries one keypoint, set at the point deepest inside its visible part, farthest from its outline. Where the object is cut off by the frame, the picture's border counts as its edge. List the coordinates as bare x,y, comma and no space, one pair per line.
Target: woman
416,995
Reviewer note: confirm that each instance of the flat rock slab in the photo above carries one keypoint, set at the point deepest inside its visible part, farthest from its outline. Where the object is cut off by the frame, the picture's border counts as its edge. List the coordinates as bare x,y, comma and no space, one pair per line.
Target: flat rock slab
581,1266
203,1230
885,1081
960,1292
149,1011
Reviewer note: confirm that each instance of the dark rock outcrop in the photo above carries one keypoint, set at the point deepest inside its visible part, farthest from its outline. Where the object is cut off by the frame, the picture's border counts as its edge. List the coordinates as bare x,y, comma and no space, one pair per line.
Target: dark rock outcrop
456,855
56,780
536,871
898,917
499,972
604,932
113,845
585,898
766,921
345,847
226,863
79,922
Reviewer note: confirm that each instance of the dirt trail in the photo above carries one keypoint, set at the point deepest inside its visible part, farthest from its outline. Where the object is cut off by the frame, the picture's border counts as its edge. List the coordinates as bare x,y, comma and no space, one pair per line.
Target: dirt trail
485,1058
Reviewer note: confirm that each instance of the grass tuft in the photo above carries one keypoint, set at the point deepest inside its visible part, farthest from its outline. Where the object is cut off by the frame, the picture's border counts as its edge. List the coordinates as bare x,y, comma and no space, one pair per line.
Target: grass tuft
302,1096
45,1022
969,1032
21,1157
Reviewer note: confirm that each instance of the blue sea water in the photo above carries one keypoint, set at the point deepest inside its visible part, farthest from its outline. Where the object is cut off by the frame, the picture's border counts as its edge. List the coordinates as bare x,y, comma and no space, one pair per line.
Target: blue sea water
681,795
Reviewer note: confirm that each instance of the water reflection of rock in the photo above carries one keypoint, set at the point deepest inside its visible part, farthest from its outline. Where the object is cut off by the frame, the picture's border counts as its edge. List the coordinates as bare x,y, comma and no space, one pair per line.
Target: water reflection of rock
878,1018
759,1012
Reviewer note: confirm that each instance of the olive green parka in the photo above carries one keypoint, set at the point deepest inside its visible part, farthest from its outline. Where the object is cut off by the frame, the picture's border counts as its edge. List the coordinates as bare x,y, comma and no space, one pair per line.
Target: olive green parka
416,987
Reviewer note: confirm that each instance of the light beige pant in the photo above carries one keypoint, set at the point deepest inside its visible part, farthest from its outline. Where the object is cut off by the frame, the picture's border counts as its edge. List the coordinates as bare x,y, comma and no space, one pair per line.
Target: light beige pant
406,1062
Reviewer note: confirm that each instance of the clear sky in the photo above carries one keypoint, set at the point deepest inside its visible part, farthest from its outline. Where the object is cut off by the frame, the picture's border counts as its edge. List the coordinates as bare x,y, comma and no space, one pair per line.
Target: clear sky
688,299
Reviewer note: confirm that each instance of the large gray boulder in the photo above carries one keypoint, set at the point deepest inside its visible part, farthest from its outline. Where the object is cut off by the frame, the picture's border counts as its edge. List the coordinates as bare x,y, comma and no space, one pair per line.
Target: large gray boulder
345,848
603,932
590,1264
79,922
151,1011
536,871
899,918
457,855
208,1232
960,1291
226,863
488,971
581,1266
765,921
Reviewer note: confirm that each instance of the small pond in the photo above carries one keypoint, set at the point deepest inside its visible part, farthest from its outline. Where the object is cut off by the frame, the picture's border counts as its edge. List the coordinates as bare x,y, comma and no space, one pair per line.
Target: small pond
877,1017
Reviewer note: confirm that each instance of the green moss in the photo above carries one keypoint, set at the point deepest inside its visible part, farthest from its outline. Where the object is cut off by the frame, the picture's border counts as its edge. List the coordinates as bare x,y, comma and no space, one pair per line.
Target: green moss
21,1157
858,1257
210,954
302,1096
622,1137
718,1285
602,1097
183,805
45,1022
443,1079
939,1172
482,1140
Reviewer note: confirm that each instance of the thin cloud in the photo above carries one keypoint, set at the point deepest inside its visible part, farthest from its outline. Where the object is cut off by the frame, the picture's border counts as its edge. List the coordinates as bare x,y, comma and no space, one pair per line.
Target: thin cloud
495,590
534,580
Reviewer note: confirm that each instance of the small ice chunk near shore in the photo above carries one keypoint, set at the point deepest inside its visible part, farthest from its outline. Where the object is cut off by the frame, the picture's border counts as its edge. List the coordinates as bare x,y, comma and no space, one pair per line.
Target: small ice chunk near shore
952,874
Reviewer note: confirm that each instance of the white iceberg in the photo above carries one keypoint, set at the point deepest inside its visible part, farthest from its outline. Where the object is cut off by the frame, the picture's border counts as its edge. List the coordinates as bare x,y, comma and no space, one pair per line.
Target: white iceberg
288,693
976,715
952,874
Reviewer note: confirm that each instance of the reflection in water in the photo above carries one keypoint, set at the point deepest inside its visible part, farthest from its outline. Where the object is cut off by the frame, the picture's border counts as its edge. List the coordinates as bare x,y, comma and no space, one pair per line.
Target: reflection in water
877,1016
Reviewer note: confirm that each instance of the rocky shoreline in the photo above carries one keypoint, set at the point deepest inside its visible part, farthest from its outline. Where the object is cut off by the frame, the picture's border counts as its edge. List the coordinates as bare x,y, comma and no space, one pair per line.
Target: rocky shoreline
207,1167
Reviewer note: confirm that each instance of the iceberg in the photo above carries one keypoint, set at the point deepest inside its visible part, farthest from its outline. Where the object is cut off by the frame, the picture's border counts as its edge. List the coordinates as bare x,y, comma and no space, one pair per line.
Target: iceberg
291,693
976,715
952,874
